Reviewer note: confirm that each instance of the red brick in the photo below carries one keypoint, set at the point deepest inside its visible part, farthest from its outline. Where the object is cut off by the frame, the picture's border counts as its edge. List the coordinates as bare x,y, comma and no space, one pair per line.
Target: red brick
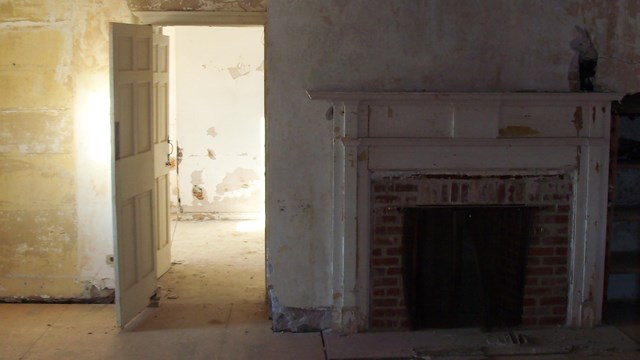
556,280
395,313
393,292
393,251
394,271
382,324
540,251
385,199
384,302
560,310
533,291
388,281
537,271
388,219
561,251
561,270
385,261
557,300
394,230
529,320
554,260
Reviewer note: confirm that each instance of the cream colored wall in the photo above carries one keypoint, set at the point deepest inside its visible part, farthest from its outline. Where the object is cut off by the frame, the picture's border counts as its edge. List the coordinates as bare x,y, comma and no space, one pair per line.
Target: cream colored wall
218,112
55,157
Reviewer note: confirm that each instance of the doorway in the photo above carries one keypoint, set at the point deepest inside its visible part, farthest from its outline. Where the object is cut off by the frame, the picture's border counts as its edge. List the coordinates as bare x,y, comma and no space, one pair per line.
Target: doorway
216,132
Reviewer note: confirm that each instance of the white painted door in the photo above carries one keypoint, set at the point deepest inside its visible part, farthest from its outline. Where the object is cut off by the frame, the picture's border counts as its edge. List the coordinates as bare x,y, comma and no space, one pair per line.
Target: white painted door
135,199
162,149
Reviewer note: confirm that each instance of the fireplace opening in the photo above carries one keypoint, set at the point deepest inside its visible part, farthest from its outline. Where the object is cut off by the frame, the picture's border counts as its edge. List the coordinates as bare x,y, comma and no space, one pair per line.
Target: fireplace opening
464,266
514,212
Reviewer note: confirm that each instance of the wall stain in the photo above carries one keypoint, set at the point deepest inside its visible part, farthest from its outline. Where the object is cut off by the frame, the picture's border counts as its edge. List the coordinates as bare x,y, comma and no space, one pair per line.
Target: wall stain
211,154
518,131
212,132
577,120
363,156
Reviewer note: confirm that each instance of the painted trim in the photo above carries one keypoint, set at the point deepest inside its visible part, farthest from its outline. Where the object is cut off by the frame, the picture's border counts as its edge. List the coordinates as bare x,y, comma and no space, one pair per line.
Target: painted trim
211,18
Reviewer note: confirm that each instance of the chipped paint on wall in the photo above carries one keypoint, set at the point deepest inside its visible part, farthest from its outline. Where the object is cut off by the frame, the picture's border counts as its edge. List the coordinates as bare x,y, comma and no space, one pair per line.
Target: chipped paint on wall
237,182
219,118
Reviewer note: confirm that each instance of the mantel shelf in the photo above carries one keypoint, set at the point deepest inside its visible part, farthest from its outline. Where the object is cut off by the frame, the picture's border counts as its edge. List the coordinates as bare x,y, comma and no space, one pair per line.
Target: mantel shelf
418,96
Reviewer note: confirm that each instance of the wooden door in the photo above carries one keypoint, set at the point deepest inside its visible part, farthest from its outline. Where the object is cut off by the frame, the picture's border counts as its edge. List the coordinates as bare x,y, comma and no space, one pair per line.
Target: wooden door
161,149
135,199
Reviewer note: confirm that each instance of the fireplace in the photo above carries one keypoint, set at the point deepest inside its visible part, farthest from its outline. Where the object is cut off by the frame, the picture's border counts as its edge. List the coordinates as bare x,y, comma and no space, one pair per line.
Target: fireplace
506,237
399,156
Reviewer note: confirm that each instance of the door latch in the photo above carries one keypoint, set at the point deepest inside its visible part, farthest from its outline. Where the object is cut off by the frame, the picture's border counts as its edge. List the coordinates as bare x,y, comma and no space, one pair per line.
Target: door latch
168,163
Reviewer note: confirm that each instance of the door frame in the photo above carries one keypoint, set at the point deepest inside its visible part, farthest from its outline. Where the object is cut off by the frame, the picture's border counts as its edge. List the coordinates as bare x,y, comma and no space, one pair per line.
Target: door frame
213,18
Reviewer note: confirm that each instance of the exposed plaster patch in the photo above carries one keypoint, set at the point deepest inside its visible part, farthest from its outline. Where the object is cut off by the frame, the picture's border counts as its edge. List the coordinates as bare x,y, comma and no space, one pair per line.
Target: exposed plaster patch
239,179
297,319
198,192
239,70
212,132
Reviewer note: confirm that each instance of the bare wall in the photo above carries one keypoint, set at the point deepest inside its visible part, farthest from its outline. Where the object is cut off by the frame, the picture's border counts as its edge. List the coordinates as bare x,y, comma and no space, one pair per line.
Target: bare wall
55,154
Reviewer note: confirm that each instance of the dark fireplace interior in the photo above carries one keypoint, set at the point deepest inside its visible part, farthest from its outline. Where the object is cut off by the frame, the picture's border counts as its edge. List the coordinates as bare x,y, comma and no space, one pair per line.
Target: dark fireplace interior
464,266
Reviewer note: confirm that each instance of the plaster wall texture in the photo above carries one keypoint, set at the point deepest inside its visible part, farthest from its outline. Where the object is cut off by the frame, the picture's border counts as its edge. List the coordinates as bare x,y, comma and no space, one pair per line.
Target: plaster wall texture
219,118
55,210
375,45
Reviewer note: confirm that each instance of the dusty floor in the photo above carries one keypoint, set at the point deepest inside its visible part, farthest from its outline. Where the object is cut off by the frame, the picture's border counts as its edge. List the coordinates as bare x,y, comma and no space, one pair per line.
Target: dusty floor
213,307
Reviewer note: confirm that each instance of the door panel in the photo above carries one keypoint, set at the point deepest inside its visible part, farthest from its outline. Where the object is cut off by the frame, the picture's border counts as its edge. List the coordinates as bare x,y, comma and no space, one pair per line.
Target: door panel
162,148
135,245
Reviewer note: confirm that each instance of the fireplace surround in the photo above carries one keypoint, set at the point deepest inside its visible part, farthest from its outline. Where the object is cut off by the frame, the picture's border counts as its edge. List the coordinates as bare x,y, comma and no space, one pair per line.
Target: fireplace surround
548,150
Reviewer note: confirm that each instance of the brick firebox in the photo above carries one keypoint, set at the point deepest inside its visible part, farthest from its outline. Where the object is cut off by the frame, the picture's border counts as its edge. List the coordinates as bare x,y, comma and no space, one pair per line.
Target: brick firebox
546,275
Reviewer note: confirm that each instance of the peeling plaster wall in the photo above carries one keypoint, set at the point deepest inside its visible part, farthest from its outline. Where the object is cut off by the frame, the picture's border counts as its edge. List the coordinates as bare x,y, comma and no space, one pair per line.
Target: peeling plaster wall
55,197
219,111
376,45
201,5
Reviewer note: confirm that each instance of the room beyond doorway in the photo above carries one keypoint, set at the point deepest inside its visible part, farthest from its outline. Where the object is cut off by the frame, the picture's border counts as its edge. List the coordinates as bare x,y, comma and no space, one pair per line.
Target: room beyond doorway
216,117
217,135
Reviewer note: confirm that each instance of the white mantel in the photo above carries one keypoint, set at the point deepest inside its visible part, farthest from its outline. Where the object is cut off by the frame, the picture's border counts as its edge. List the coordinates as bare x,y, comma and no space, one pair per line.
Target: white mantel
468,134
